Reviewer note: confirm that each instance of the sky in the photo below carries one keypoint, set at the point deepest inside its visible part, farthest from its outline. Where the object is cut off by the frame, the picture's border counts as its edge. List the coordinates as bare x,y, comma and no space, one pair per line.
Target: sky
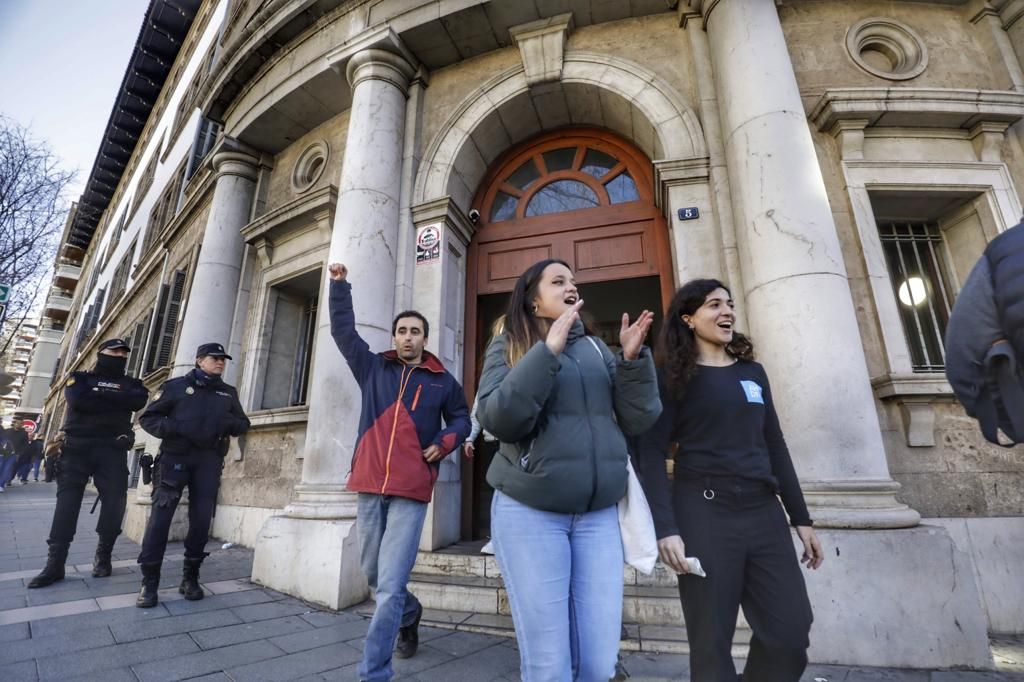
61,63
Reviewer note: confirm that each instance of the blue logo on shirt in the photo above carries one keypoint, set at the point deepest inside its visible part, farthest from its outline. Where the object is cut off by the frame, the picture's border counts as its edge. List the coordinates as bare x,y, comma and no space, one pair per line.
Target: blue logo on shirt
753,390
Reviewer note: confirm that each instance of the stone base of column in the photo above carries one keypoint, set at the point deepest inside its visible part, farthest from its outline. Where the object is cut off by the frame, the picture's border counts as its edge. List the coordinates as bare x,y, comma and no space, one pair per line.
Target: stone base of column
857,504
311,551
137,516
896,598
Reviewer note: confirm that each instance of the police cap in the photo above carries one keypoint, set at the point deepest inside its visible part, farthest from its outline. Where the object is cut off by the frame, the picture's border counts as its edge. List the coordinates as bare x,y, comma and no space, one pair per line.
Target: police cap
212,349
119,344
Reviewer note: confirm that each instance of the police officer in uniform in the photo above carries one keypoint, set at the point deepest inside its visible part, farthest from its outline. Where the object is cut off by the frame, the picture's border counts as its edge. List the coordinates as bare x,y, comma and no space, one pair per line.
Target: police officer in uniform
97,436
194,416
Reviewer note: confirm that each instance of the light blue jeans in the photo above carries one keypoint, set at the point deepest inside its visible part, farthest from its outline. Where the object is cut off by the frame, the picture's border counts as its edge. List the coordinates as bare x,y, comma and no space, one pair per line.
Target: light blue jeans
389,535
563,574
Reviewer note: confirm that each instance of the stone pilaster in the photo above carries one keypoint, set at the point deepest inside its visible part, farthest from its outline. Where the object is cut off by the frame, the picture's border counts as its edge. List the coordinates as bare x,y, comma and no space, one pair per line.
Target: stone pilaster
211,305
319,524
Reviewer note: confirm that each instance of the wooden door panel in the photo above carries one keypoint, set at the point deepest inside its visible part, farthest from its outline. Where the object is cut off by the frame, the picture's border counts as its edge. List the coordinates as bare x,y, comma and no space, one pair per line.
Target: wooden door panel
595,254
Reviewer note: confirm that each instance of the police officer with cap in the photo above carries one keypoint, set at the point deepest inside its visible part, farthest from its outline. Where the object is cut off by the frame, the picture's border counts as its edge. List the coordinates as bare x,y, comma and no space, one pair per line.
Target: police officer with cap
97,435
194,416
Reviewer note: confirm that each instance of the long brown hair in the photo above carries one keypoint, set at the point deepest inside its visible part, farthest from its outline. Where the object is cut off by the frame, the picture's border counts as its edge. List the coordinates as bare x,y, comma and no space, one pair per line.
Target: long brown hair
677,347
522,327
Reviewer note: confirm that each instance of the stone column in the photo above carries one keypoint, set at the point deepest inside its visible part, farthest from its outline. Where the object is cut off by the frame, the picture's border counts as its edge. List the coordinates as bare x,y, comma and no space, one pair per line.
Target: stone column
211,304
319,524
798,300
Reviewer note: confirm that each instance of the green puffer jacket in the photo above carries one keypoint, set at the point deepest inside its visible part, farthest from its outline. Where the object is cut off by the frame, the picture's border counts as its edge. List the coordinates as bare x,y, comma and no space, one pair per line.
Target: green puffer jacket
561,448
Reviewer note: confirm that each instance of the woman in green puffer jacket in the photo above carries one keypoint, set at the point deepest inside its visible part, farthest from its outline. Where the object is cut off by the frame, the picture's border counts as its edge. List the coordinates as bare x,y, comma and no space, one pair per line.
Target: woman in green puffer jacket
560,402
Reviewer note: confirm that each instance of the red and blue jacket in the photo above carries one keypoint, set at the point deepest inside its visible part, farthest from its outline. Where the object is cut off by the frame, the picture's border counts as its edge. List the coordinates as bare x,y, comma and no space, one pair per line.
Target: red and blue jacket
401,413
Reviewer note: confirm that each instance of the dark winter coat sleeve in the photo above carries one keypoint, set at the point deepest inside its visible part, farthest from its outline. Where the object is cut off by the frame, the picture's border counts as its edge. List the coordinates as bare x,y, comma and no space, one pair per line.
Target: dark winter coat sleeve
356,351
85,395
782,464
456,419
511,399
652,449
157,420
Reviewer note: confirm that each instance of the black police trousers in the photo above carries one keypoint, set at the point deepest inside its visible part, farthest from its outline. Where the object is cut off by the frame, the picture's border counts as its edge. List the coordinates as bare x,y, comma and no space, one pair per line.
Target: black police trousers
200,472
743,541
108,466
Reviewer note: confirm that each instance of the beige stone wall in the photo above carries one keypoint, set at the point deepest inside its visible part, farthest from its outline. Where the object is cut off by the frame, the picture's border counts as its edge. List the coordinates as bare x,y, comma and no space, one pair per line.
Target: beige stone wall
816,33
268,471
332,132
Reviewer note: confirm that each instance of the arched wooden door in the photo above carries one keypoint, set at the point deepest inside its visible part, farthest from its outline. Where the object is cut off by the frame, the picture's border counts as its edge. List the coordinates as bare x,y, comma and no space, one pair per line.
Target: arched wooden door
582,195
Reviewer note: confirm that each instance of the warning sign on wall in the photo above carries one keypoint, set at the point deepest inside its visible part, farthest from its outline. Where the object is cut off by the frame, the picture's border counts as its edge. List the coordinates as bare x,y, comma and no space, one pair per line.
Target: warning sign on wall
428,244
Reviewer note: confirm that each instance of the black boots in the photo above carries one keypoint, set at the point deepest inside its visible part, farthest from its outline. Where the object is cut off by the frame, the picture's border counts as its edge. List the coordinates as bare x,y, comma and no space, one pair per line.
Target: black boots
101,562
190,580
150,582
409,638
54,569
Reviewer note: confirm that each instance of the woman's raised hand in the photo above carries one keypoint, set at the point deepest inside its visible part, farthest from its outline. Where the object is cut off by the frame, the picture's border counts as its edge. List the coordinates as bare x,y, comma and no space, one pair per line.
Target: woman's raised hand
558,334
631,336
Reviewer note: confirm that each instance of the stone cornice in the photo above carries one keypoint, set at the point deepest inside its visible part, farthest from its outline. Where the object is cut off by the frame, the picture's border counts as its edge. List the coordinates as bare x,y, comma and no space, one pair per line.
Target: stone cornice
1010,11
916,107
670,173
307,209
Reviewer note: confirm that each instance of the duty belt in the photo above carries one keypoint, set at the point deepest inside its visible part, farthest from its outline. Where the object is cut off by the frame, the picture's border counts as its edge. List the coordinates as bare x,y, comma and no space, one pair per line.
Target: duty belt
122,442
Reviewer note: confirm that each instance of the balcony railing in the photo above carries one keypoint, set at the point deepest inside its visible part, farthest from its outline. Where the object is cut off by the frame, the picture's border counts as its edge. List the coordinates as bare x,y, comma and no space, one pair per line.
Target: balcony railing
67,274
58,303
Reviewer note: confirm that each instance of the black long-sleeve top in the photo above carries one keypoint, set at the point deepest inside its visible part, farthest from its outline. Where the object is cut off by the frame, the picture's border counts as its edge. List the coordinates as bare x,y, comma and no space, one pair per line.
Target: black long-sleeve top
726,425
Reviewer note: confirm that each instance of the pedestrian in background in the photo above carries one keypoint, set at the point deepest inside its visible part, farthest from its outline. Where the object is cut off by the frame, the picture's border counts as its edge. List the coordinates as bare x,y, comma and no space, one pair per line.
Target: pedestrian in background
985,340
18,439
405,393
194,416
558,401
731,467
97,435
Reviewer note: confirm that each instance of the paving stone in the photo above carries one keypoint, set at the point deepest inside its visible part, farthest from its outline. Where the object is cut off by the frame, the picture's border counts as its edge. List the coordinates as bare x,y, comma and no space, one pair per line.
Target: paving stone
19,672
55,645
116,675
487,664
117,656
275,609
95,619
320,619
193,622
247,632
193,665
880,675
220,601
353,632
462,643
14,632
300,664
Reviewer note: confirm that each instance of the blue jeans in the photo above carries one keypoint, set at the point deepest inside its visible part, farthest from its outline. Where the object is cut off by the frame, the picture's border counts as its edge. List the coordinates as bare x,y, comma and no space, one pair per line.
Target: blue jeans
10,462
563,574
389,536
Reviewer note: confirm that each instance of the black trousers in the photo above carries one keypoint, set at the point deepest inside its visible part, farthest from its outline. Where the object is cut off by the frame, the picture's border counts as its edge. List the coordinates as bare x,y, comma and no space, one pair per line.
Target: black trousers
200,472
743,541
108,467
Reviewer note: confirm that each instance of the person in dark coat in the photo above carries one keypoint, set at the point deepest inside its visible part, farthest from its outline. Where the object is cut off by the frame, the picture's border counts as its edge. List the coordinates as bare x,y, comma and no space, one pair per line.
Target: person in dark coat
559,402
97,435
194,416
985,340
18,439
732,467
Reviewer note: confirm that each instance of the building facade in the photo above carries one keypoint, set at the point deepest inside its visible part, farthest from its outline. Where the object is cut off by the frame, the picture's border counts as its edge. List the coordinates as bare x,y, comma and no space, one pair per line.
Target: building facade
841,165
23,397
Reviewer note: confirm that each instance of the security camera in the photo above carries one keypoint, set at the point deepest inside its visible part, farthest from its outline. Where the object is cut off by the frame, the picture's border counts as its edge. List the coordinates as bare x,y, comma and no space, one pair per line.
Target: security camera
474,216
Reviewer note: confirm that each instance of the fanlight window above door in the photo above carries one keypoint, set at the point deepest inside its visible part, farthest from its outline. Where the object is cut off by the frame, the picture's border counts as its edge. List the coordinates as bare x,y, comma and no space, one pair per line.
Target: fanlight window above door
565,178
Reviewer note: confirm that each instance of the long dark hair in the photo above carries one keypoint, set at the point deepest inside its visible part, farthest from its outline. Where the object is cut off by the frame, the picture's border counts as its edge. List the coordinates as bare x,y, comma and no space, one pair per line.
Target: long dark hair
522,327
677,345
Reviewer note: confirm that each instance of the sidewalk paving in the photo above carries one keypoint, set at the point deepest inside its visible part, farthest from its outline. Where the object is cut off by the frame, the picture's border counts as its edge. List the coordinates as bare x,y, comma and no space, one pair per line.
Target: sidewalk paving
87,628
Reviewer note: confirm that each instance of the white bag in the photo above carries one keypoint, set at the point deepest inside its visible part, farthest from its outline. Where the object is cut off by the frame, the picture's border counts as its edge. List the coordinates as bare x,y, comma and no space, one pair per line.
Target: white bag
639,541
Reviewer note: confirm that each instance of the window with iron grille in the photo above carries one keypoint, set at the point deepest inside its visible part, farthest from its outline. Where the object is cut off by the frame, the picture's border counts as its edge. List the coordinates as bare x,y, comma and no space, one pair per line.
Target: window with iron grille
915,256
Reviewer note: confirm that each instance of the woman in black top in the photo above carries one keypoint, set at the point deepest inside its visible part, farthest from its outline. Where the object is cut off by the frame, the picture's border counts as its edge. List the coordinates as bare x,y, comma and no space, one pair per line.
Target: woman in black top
731,467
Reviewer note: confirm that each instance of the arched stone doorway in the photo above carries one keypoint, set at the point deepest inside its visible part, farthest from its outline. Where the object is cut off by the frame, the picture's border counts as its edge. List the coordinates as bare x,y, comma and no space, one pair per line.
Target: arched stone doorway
586,196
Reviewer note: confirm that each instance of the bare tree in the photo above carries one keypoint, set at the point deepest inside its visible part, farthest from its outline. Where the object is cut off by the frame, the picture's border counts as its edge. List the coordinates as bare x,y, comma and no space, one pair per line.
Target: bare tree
33,207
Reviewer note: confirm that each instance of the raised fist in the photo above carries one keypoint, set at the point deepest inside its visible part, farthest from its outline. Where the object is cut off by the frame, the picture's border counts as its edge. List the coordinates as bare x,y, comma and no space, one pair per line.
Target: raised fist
337,271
